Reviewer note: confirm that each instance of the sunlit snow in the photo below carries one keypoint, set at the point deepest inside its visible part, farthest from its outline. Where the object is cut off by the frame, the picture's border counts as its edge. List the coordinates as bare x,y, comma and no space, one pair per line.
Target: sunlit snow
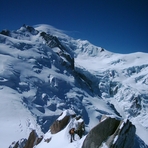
35,88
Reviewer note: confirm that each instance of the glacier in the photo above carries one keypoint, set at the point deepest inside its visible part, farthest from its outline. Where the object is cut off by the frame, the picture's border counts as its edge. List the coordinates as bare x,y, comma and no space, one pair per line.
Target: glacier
43,72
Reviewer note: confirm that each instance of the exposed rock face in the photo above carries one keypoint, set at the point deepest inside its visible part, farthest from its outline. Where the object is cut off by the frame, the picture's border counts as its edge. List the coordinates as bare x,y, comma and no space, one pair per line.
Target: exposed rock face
58,125
52,42
33,140
123,136
113,132
5,32
31,29
100,133
136,105
19,144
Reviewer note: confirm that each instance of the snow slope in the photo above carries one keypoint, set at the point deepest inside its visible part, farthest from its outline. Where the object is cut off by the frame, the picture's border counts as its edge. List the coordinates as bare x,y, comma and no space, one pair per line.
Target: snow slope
127,76
62,138
37,83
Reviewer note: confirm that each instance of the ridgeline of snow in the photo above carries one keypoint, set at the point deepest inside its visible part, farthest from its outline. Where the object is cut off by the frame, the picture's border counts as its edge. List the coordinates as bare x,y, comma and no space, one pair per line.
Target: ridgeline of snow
37,84
66,113
62,138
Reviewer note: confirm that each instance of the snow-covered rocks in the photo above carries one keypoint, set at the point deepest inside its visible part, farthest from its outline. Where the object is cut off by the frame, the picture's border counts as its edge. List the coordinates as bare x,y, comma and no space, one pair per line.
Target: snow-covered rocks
62,136
110,132
32,141
42,76
62,121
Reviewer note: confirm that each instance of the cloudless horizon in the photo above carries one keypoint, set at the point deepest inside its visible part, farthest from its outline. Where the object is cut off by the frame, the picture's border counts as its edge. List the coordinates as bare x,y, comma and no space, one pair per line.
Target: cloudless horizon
119,26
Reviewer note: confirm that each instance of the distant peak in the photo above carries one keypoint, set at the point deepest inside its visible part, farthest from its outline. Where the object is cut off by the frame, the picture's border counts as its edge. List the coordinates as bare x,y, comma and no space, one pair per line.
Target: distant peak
51,30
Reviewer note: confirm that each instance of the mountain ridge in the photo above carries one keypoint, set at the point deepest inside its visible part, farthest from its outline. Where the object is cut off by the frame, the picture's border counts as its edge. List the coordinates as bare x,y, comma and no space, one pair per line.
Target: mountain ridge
34,73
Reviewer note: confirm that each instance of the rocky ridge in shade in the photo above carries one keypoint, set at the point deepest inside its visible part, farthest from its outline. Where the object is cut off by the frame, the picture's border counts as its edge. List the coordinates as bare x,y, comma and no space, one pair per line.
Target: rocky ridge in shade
112,132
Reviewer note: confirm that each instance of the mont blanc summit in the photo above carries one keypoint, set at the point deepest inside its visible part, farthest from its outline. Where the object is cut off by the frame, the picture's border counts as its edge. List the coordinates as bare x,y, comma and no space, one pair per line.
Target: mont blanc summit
52,82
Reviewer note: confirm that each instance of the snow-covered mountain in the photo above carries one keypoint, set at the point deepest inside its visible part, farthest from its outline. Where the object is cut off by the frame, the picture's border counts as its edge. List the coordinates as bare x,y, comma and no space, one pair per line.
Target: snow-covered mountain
43,72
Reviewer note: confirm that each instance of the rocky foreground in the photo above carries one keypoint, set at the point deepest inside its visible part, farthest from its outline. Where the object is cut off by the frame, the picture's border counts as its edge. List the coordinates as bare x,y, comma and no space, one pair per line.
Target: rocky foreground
111,132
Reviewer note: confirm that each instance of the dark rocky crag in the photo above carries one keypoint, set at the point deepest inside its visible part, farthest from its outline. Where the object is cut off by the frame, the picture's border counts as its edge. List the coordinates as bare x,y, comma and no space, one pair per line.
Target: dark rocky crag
58,125
32,140
123,137
113,132
52,42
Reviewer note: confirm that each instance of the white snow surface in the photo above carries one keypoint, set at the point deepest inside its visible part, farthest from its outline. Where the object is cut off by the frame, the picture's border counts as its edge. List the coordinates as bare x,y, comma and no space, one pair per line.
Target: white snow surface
66,113
62,138
35,88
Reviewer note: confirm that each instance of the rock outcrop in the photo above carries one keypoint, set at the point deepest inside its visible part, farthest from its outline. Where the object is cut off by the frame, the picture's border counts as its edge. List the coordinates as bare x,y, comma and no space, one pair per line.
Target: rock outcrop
32,140
31,29
61,122
52,42
123,136
19,144
5,32
113,132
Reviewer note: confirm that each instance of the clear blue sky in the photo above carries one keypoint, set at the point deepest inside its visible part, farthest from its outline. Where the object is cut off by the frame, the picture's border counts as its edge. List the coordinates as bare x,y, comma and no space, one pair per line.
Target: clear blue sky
117,25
